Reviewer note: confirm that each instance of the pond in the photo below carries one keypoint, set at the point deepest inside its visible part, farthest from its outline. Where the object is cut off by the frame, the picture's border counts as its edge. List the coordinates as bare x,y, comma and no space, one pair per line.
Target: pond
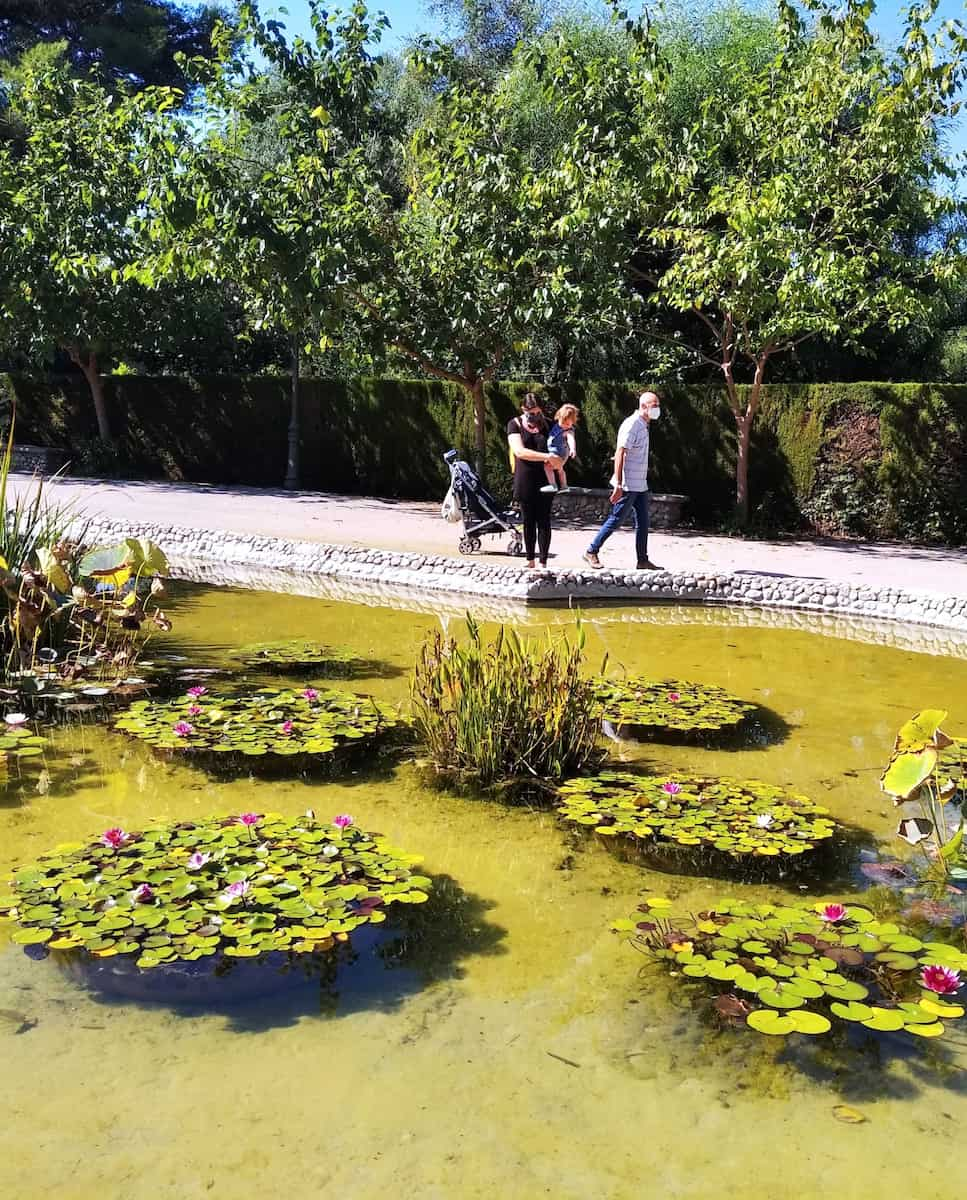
501,1041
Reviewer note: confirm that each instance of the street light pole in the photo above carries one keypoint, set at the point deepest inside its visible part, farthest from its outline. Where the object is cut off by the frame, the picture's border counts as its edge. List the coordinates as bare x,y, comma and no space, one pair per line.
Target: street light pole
292,472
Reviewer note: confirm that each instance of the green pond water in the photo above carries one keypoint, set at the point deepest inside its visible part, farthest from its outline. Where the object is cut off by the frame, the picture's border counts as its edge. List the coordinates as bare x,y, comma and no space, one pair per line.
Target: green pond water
509,1045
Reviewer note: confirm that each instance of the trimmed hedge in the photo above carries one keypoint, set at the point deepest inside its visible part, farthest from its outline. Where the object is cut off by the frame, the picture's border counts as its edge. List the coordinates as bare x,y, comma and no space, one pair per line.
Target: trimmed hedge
873,460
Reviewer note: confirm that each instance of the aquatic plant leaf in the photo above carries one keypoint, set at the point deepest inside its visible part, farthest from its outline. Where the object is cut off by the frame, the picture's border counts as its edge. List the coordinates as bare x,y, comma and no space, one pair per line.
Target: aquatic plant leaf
762,1020
668,705
267,722
177,918
298,656
908,771
848,1115
882,989
919,732
737,817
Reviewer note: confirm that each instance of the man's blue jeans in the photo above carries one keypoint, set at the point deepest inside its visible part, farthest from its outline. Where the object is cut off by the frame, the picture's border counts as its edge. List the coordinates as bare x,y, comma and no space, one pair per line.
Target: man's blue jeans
637,502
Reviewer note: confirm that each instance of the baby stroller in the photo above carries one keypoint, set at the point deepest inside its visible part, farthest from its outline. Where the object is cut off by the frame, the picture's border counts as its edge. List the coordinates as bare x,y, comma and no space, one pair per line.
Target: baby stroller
470,502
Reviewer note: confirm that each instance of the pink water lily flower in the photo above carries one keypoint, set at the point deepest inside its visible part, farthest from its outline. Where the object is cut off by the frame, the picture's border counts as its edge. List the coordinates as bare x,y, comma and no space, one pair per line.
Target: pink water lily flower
674,697
183,729
235,891
287,728
310,694
115,838
15,718
248,819
197,860
671,788
941,980
833,912
343,821
195,710
144,893
197,692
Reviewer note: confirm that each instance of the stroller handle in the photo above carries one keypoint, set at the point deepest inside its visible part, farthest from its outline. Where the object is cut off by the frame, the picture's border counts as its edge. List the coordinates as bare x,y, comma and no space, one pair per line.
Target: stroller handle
451,456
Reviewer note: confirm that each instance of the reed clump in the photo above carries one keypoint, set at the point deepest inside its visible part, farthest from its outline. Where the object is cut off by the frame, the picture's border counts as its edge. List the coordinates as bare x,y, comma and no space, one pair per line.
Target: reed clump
511,712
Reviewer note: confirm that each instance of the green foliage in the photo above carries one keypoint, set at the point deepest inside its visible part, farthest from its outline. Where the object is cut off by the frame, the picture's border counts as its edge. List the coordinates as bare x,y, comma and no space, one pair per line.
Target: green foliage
299,657
669,705
785,969
511,712
270,721
134,41
738,817
927,769
236,887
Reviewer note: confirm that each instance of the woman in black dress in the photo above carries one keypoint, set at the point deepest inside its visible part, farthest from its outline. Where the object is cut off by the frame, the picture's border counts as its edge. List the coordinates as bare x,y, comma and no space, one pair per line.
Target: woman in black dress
527,435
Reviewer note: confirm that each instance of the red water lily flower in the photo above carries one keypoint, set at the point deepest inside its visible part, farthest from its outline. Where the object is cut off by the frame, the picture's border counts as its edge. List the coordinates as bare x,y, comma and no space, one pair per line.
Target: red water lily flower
343,821
248,819
674,697
833,912
941,980
115,838
671,788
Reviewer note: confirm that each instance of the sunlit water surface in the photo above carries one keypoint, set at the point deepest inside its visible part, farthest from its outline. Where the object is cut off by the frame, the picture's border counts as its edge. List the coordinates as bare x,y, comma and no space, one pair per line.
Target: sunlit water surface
511,1047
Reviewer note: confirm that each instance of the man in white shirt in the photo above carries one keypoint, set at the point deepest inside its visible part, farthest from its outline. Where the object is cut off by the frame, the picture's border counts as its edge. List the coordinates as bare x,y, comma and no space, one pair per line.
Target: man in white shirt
630,482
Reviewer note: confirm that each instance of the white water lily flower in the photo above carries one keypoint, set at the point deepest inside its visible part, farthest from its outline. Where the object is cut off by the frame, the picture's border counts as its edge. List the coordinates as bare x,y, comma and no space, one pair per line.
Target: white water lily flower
764,820
329,850
15,718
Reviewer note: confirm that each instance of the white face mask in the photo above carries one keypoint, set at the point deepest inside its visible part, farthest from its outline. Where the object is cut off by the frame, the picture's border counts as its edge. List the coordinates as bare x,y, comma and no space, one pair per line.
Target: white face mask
654,413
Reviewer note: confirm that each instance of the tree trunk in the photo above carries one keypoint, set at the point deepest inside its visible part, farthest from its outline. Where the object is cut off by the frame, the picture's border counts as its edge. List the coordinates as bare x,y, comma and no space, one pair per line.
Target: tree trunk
479,426
88,365
743,423
293,466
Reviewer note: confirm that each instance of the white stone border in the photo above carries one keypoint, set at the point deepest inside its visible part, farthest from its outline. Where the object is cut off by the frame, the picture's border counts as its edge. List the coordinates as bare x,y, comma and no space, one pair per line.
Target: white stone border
458,578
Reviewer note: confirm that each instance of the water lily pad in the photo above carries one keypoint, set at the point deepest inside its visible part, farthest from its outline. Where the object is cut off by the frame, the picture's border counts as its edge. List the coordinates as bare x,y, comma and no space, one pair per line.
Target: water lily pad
669,705
738,817
266,723
173,892
297,656
784,990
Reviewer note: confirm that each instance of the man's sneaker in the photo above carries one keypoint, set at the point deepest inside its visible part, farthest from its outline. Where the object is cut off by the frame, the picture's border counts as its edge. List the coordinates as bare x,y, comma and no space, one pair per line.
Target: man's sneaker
647,565
592,559
549,487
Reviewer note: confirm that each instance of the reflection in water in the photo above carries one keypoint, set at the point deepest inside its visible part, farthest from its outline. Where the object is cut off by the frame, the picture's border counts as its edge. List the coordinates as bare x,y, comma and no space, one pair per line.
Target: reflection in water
446,1068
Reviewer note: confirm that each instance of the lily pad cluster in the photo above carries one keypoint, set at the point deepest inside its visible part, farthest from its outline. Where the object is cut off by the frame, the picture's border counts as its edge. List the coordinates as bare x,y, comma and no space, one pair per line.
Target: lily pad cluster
297,656
738,817
17,740
235,886
669,705
784,969
269,721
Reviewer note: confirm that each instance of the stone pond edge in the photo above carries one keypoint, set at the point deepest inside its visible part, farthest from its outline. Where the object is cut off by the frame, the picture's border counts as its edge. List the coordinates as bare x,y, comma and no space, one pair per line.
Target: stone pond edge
466,577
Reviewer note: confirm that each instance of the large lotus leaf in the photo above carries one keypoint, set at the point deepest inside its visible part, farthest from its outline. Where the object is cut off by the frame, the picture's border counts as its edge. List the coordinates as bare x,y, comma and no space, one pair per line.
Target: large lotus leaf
104,560
921,730
144,557
907,772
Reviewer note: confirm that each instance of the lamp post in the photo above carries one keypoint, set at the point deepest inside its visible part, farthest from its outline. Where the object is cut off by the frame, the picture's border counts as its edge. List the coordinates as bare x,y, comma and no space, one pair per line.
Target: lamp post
292,480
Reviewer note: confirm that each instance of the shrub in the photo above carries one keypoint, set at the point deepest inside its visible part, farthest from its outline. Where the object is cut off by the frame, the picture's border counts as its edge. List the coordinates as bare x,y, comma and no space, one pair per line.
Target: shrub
508,713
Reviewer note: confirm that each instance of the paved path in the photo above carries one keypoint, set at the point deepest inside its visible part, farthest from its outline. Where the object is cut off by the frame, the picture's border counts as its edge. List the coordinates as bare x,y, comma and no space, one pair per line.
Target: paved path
417,526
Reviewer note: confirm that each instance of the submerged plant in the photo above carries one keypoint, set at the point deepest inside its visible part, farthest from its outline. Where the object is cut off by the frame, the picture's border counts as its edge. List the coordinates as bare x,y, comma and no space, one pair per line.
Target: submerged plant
270,721
791,969
508,712
927,769
298,656
196,889
738,817
669,705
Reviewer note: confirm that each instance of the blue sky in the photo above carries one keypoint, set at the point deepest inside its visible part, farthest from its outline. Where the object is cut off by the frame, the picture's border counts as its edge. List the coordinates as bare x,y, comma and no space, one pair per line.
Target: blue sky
409,17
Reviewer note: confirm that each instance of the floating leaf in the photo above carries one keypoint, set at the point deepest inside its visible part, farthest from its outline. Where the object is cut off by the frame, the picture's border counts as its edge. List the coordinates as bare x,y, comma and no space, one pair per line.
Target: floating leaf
848,1115
908,771
669,705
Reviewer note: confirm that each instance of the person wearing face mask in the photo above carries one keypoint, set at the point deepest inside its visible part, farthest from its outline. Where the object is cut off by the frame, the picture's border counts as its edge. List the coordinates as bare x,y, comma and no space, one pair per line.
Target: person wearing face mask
629,482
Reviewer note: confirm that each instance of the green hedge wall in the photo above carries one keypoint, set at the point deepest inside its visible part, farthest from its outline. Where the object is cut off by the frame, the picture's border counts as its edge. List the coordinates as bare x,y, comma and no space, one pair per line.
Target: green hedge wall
874,460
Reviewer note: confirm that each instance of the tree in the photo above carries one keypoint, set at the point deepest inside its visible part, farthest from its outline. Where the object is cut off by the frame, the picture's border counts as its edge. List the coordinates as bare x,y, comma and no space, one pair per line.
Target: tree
272,196
68,195
493,244
780,214
487,33
134,41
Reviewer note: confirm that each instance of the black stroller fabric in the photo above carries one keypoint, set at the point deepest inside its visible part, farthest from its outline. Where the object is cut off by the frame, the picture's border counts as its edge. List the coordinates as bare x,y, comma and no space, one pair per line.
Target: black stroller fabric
481,513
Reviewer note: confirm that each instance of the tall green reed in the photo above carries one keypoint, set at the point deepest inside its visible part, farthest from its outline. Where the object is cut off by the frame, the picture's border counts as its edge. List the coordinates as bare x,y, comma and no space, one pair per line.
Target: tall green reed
513,711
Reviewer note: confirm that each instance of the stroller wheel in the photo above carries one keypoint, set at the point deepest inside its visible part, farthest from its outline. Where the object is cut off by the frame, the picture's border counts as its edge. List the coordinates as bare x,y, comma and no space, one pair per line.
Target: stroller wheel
515,546
466,545
474,545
